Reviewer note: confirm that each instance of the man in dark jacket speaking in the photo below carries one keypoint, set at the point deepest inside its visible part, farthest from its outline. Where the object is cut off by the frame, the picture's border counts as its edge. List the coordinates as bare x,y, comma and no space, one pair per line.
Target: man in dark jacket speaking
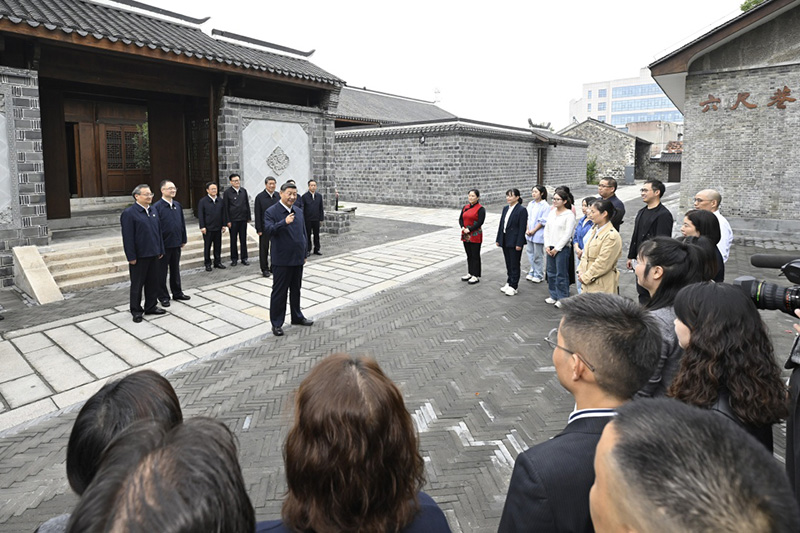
285,224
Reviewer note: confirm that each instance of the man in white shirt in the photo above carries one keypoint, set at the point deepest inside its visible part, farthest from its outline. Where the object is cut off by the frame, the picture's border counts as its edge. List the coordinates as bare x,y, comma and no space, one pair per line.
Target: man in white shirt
709,200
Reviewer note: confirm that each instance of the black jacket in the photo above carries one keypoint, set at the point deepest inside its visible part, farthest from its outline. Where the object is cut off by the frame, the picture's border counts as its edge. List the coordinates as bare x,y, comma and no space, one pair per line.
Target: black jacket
209,213
263,202
660,225
173,225
312,207
236,205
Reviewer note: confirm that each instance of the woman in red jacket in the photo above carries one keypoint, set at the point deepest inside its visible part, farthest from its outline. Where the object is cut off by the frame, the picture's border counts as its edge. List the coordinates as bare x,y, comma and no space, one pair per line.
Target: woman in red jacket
471,220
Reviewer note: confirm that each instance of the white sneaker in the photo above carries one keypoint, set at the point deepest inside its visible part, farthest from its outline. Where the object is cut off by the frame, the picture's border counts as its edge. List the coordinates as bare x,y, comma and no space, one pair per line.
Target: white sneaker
558,304
504,287
466,277
536,280
550,301
511,291
530,277
473,280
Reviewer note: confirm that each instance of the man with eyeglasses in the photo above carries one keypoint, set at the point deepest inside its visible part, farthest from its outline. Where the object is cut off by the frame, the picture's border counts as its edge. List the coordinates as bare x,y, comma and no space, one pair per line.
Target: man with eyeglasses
173,231
144,246
607,189
602,367
653,220
709,200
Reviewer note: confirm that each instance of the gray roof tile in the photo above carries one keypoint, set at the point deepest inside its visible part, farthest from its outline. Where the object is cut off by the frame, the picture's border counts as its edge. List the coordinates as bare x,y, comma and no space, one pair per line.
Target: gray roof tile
371,106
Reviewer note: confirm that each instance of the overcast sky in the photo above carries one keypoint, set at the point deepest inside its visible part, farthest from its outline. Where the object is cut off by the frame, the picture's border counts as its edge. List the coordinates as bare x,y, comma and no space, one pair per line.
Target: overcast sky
499,61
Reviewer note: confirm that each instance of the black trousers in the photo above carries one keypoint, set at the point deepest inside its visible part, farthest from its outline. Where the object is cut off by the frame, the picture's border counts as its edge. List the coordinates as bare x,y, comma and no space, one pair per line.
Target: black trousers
793,434
238,230
312,226
215,238
473,250
171,260
285,279
513,259
144,275
263,252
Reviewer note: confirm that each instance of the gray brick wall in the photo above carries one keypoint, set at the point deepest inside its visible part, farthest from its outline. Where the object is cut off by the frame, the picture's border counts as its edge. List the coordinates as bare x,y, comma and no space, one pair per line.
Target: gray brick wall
613,150
748,154
318,123
23,218
392,166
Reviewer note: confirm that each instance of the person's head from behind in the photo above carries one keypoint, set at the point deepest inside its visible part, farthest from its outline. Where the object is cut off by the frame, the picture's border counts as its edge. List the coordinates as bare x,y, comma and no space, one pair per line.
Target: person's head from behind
607,346
726,344
666,265
352,458
665,467
153,478
143,395
700,223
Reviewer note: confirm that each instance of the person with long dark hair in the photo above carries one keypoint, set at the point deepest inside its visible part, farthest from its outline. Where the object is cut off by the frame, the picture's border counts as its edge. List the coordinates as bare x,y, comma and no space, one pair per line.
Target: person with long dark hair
728,363
538,209
557,243
471,221
665,266
700,223
352,456
582,228
598,269
511,238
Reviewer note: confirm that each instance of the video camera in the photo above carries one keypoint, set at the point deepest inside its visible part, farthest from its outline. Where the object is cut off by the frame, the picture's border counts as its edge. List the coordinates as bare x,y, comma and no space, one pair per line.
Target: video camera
769,295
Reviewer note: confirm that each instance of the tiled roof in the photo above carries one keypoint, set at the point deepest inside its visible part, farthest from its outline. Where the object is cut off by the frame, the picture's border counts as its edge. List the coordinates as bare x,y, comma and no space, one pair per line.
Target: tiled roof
96,21
674,147
671,157
370,106
599,124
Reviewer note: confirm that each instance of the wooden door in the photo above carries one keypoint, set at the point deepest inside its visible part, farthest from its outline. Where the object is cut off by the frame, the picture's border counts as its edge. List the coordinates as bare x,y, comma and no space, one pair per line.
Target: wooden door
120,171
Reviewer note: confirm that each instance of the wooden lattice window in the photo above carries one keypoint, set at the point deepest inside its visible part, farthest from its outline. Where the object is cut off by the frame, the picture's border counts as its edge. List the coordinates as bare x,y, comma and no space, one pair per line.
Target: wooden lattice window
114,158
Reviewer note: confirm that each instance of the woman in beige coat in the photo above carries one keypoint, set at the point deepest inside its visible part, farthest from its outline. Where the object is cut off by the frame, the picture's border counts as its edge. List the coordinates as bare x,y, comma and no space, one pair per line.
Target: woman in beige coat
602,249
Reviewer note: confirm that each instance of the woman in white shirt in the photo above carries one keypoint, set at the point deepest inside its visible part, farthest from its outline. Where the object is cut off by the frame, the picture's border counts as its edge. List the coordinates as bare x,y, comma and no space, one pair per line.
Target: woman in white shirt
557,236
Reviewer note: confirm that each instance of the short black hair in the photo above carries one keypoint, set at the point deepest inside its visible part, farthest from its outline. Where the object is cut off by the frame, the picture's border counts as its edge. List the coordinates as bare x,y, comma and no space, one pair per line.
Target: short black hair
210,183
657,185
143,395
183,479
311,181
234,175
619,337
288,185
682,468
268,179
542,190
611,181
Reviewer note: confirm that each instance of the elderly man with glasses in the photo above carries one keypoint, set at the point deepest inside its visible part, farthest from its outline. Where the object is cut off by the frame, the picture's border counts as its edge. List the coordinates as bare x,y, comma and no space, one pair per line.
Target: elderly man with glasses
605,349
709,200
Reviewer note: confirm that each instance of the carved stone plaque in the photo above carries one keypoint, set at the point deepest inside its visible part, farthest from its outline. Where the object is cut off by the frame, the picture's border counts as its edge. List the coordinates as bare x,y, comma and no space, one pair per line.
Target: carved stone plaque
278,161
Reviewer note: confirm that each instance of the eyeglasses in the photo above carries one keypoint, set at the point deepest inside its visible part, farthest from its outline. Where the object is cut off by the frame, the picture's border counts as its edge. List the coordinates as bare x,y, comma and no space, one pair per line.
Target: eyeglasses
699,200
145,194
554,334
171,188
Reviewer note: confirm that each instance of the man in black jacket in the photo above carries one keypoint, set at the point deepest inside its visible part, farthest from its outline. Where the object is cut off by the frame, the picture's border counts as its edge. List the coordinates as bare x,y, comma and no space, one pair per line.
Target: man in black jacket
173,230
264,200
607,189
653,220
312,207
602,367
210,215
236,209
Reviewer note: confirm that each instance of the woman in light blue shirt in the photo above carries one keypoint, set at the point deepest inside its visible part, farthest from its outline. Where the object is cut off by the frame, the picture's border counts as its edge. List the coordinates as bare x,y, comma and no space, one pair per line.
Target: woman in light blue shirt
538,209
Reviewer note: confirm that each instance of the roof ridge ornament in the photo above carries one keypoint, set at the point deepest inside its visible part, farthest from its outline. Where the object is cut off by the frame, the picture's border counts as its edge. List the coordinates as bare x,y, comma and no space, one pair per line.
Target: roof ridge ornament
257,42
160,11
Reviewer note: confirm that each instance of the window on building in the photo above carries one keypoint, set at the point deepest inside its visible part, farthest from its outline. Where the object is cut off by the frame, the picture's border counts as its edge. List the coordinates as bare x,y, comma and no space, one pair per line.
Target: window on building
641,104
601,118
636,90
601,106
666,116
589,95
588,108
601,93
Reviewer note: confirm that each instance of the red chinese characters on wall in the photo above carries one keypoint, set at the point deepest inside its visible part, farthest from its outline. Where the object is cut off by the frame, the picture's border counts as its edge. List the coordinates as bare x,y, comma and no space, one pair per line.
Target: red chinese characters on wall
779,100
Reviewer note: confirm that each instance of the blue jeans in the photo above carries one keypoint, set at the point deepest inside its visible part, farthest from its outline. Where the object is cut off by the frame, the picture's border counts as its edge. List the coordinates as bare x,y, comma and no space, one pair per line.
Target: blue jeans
557,275
536,259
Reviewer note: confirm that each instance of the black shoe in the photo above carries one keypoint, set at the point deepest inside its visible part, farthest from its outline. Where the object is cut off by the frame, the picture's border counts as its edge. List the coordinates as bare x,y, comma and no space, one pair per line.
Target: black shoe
245,262
223,267
137,318
182,297
234,263
304,322
156,311
317,253
278,332
265,273
208,268
164,303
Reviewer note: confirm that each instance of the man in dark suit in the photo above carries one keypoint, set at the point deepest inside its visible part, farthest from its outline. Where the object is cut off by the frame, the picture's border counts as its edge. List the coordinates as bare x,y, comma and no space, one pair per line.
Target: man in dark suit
210,215
285,225
653,220
141,239
602,367
236,209
312,207
607,189
173,231
264,200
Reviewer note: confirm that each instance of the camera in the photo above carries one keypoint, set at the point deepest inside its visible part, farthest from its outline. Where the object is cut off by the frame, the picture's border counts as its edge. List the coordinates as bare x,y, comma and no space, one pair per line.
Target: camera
769,295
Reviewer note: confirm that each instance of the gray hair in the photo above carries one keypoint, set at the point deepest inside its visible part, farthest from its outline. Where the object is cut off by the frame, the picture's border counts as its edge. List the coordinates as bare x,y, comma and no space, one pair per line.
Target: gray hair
138,189
682,468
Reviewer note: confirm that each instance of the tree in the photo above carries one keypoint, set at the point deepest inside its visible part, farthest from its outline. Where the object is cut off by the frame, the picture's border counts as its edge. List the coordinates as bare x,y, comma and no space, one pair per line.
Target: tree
747,5
591,171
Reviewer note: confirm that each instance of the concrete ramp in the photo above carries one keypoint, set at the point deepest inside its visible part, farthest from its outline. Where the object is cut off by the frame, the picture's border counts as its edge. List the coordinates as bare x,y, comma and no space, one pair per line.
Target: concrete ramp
32,275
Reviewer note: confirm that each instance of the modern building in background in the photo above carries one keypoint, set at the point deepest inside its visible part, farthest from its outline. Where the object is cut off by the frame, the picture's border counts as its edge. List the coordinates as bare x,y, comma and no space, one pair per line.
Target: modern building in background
620,102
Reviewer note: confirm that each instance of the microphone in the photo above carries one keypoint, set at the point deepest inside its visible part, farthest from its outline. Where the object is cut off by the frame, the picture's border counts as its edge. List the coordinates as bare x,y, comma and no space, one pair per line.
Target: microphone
771,261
